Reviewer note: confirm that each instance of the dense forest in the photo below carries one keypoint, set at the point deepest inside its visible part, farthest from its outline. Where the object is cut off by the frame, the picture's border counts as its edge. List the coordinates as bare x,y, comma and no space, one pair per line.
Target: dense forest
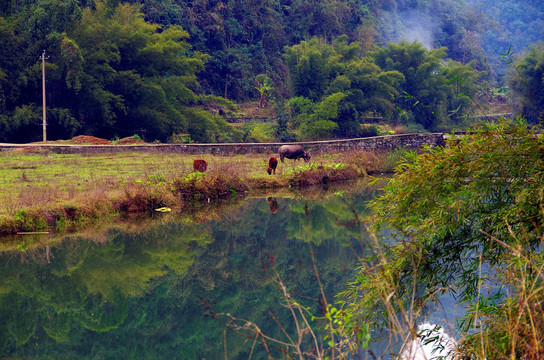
171,70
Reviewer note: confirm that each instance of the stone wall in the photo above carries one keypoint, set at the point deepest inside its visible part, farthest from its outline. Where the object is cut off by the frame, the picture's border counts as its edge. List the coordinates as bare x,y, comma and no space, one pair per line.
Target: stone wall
245,120
411,141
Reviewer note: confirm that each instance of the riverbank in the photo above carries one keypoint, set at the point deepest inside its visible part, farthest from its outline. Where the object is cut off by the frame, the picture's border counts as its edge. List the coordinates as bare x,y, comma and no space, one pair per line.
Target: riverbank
48,192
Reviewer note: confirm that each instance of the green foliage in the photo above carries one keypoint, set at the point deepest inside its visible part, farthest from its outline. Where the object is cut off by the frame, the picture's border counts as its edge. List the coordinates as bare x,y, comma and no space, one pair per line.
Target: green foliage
263,87
423,87
433,91
119,68
205,127
23,122
137,59
221,101
308,67
320,71
527,81
247,39
476,202
320,129
463,81
194,177
180,139
109,71
259,132
320,124
371,130
300,107
314,166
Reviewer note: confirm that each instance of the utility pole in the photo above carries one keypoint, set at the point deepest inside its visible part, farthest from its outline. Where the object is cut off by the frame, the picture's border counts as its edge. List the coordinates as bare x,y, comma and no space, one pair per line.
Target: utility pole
43,97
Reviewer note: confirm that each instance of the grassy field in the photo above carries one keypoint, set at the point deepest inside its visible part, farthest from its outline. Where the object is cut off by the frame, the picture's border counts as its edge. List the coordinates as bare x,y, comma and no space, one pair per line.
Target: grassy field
53,191
34,180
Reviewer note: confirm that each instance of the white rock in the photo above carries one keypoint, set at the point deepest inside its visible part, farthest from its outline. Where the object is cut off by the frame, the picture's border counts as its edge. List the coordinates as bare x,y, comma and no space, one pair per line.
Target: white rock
432,343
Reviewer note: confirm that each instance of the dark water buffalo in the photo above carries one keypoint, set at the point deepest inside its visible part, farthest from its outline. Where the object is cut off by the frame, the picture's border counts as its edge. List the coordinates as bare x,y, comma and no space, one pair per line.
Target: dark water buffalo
272,164
294,152
200,165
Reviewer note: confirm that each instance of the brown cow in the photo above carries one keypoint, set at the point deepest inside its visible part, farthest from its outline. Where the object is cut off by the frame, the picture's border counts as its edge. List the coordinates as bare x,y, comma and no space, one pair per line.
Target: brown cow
272,164
200,165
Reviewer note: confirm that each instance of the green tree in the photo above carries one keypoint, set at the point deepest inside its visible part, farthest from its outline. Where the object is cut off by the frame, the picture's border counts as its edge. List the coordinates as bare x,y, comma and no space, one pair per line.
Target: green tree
463,87
109,73
319,70
424,86
433,90
307,63
321,123
475,203
527,80
371,88
511,25
137,79
263,87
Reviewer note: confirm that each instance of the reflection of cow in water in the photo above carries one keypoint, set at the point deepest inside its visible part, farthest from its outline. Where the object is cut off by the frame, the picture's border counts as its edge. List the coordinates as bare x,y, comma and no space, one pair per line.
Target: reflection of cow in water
272,164
273,204
200,165
294,152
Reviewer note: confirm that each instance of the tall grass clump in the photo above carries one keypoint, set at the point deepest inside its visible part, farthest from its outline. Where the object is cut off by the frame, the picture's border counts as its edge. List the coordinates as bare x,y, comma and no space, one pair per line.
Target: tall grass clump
200,187
377,162
318,174
465,219
143,197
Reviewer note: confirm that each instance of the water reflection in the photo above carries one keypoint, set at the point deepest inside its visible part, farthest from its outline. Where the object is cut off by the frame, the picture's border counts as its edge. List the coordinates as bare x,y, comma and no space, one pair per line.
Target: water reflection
273,204
145,291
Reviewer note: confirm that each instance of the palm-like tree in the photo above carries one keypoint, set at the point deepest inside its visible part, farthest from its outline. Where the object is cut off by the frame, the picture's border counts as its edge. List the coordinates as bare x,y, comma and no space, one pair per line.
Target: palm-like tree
263,88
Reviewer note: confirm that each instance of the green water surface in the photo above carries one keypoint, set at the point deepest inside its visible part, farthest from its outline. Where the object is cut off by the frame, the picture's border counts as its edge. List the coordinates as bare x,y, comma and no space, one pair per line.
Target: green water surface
157,290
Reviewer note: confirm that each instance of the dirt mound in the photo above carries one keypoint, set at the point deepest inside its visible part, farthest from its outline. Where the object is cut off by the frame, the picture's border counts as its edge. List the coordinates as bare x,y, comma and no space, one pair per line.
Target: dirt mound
130,140
89,140
29,150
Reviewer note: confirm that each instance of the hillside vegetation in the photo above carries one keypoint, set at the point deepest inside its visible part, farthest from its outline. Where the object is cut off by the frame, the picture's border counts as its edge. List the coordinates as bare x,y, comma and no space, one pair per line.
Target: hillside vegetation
175,70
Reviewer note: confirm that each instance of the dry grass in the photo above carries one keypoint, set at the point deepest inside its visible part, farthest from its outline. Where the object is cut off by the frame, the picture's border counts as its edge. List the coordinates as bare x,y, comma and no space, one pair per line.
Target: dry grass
252,110
39,191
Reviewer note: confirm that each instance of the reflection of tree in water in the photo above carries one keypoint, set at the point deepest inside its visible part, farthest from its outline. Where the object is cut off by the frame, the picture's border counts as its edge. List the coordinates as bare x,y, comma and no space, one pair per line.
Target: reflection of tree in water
21,319
137,295
100,315
57,325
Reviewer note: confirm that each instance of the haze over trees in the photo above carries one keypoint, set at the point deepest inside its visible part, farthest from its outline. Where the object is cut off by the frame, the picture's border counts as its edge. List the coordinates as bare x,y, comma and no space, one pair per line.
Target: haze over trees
163,68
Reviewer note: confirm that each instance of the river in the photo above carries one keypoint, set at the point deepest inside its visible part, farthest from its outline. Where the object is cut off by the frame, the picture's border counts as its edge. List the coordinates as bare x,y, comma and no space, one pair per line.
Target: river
160,286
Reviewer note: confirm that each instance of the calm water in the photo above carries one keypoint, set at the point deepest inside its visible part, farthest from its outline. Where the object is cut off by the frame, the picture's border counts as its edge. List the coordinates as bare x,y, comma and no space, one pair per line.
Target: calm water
155,288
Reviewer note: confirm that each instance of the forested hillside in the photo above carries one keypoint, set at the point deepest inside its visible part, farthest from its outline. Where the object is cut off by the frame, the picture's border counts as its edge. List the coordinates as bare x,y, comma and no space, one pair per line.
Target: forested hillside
170,69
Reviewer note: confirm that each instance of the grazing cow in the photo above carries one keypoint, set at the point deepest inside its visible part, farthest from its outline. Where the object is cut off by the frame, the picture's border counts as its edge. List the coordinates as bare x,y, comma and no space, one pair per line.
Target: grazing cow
272,164
273,204
294,152
200,165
